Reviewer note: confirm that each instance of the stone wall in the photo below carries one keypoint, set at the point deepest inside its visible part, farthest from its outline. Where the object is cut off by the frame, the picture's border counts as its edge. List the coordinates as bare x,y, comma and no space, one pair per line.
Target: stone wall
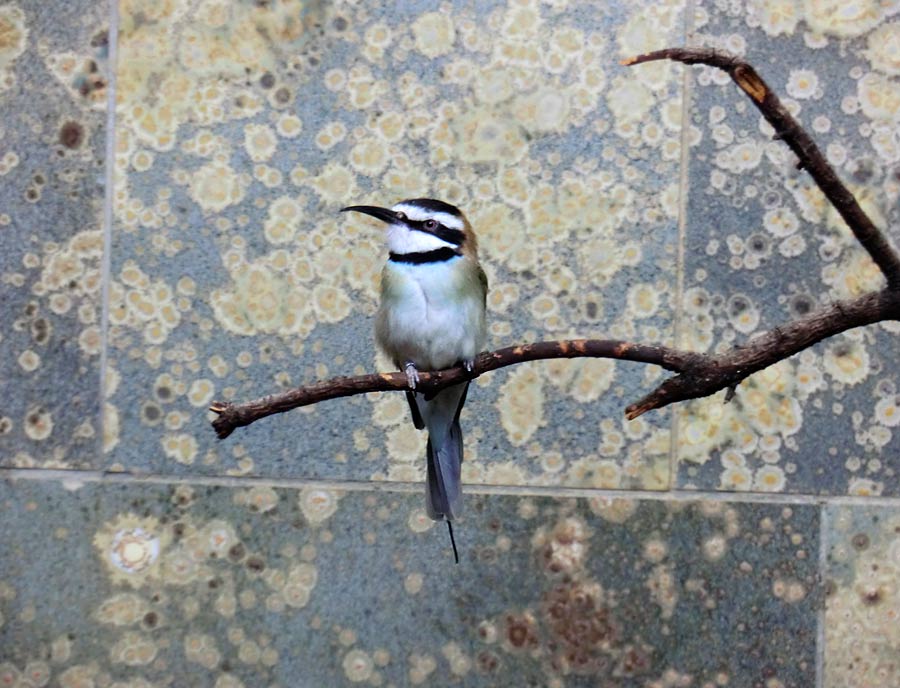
171,175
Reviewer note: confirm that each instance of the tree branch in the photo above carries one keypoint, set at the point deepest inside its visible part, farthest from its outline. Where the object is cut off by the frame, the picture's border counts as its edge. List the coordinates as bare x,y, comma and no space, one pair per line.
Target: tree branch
710,373
231,416
698,375
789,130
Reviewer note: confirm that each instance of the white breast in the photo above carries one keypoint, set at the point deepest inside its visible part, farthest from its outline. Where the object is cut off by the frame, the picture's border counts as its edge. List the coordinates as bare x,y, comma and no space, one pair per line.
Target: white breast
425,317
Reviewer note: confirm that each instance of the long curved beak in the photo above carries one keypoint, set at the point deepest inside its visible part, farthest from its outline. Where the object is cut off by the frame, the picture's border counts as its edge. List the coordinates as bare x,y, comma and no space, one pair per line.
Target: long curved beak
383,214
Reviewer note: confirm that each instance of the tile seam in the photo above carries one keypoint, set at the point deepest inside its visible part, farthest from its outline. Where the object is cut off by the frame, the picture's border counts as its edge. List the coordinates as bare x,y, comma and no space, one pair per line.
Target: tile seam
820,615
73,477
684,163
109,178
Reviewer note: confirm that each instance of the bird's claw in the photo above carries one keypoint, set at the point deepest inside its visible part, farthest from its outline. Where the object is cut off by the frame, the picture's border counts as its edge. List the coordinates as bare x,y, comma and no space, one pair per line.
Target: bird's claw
469,365
412,375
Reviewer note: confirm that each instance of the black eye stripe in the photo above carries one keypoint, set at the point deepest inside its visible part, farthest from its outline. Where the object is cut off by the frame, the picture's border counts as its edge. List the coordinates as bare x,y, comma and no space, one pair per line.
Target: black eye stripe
451,236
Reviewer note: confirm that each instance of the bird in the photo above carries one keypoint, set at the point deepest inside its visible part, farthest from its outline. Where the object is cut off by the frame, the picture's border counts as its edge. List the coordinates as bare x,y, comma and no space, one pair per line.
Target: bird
431,317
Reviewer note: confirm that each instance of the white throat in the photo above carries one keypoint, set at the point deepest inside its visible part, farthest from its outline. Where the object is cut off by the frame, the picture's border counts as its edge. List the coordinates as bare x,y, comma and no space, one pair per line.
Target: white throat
403,240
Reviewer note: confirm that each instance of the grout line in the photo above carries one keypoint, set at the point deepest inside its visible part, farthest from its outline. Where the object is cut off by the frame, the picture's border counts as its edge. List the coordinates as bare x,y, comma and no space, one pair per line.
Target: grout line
109,177
686,92
75,477
820,616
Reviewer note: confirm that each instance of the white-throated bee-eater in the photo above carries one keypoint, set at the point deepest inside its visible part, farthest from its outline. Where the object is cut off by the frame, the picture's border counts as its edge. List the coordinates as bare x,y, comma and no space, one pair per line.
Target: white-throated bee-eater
431,317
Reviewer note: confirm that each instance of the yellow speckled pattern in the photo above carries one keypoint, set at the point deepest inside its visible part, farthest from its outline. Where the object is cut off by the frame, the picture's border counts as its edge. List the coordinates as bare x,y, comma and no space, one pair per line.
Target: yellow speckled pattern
769,248
171,179
233,272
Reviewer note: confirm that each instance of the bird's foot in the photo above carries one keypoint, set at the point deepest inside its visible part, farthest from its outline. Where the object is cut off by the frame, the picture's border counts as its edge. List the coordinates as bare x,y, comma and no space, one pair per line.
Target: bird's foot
412,375
469,365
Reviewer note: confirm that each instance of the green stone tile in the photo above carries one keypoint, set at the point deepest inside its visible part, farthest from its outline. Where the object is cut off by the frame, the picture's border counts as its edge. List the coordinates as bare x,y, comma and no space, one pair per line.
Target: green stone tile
53,74
244,127
862,635
764,247
210,586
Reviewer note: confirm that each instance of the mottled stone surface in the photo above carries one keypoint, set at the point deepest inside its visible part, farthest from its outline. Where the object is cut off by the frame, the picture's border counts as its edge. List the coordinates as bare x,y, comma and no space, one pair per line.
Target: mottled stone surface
276,587
53,74
862,636
243,129
762,247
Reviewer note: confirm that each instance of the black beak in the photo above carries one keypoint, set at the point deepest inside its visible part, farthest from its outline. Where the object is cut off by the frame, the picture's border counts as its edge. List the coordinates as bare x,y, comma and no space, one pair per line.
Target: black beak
383,214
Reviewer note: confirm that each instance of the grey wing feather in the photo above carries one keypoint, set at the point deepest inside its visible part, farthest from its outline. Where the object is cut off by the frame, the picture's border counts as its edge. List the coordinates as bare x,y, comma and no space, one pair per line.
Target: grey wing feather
482,278
414,410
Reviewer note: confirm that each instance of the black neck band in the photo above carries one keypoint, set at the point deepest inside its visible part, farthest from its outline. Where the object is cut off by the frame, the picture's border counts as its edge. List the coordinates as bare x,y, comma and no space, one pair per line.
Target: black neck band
438,255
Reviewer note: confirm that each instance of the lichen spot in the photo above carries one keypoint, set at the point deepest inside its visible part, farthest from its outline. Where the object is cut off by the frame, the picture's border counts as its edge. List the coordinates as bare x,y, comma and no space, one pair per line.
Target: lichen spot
13,35
71,135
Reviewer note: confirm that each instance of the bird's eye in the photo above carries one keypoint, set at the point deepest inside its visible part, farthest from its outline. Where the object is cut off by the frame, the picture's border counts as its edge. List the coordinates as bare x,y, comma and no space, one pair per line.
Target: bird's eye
430,225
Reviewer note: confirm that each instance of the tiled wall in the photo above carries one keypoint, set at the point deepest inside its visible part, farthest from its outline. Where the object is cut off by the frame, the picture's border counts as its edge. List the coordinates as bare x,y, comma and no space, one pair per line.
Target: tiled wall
171,173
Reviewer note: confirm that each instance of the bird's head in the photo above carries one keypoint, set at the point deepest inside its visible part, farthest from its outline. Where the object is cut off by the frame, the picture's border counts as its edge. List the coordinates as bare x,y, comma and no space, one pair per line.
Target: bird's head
420,225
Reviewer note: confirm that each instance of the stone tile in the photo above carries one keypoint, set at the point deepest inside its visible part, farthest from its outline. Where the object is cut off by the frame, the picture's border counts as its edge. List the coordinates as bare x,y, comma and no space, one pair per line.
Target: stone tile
861,632
53,73
243,129
162,585
763,247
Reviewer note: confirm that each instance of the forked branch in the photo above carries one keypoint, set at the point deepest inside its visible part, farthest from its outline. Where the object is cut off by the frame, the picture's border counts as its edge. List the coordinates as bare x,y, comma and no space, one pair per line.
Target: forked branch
725,371
698,375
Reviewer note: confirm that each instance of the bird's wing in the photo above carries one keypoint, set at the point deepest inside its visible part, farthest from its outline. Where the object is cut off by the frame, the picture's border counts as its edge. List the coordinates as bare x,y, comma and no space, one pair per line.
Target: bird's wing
414,410
483,280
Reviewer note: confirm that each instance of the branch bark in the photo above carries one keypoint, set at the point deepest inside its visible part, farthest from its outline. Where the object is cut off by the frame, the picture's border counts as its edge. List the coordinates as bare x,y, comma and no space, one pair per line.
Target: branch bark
231,416
698,375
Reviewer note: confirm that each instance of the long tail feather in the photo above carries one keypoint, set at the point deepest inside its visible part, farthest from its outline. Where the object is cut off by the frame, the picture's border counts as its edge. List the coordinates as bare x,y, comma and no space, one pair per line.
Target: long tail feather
452,541
444,453
443,486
